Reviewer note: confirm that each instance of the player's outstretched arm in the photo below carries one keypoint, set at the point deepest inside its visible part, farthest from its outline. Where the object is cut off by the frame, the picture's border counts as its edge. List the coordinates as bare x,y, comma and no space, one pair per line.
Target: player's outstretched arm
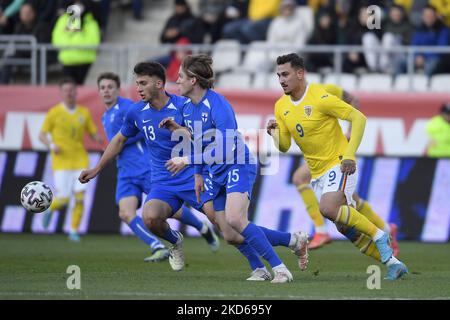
358,121
112,150
281,138
44,139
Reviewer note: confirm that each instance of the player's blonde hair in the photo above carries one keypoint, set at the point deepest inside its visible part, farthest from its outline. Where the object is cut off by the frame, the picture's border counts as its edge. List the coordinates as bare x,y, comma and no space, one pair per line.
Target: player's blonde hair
200,67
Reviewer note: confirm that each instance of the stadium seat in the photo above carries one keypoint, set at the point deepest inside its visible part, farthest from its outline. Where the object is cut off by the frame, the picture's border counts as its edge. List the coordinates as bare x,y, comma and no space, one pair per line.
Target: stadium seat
260,80
375,82
345,80
440,83
257,58
234,80
226,55
419,83
313,77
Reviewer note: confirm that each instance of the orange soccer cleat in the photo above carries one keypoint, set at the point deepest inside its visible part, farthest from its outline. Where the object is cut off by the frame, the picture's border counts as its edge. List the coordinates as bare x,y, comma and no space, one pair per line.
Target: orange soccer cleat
319,240
393,238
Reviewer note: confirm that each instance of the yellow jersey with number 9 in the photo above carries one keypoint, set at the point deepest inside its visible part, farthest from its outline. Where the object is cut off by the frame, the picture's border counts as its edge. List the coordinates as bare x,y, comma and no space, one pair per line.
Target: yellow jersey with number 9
313,123
67,129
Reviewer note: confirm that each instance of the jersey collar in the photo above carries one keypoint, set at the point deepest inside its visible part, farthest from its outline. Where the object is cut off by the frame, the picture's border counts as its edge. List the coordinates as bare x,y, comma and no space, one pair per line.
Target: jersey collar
296,103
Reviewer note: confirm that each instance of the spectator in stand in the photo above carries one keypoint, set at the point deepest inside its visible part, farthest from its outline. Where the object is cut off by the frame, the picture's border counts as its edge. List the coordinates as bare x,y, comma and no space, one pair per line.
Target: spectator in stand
432,33
288,29
235,11
182,23
176,59
45,9
8,9
211,15
438,129
324,34
352,34
84,32
396,32
28,25
254,27
443,10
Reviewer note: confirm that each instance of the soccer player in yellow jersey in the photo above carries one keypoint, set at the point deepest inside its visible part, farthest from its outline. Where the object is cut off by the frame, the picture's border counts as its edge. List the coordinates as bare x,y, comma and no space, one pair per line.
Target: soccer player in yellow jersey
302,178
309,115
62,132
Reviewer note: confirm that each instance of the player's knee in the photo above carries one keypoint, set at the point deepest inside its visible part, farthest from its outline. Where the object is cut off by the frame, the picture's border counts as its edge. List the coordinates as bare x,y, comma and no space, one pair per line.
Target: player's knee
235,222
150,221
126,215
329,210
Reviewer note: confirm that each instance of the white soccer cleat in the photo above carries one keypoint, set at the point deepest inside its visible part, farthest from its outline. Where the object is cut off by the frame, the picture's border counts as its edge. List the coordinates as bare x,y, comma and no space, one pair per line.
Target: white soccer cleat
260,274
176,255
300,249
282,275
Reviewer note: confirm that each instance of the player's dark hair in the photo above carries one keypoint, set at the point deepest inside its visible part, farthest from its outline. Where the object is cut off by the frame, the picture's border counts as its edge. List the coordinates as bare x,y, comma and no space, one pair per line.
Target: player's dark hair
294,59
66,80
151,69
200,66
108,76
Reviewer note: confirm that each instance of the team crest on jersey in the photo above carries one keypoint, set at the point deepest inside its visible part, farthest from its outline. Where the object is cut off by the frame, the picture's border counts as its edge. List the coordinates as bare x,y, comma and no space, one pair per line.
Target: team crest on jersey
204,116
308,111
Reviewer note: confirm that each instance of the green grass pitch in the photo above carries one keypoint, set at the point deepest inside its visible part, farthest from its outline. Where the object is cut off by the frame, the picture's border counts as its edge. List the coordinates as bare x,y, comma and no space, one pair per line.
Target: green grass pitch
112,267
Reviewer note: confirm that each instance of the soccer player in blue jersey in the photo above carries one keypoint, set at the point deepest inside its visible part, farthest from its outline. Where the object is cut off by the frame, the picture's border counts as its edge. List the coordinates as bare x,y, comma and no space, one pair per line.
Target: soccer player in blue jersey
164,197
133,178
219,146
167,194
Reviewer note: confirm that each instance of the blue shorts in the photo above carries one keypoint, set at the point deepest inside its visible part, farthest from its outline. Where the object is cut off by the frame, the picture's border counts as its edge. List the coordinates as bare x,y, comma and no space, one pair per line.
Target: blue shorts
132,186
175,198
236,178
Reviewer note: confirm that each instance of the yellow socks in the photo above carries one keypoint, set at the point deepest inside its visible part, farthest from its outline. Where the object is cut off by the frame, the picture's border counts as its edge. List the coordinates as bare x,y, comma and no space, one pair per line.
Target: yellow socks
367,246
365,209
58,203
348,216
312,207
77,211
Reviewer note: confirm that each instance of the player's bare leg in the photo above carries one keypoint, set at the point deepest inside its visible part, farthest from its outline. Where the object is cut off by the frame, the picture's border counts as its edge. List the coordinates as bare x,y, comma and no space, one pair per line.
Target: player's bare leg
127,213
155,214
236,215
301,179
186,216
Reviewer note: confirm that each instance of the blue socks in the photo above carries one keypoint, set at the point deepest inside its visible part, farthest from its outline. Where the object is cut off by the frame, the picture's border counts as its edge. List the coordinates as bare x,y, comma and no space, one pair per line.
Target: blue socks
141,231
258,240
172,236
277,238
187,217
251,255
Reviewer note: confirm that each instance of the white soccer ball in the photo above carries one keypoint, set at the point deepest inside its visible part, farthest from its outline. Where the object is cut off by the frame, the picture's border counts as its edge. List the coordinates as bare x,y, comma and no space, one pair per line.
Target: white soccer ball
36,197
